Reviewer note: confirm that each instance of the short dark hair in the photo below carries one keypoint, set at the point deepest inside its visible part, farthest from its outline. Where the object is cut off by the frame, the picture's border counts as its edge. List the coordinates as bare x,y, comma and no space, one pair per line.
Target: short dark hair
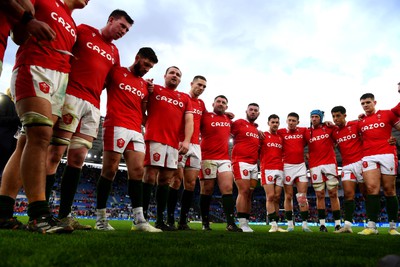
199,77
148,53
118,13
273,116
367,95
221,96
294,114
340,109
175,67
253,104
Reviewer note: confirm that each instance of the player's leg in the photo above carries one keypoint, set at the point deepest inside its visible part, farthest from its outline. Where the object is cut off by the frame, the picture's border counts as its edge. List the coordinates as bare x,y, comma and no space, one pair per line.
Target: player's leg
225,184
189,184
349,188
319,189
288,206
10,185
242,203
149,180
277,199
163,180
392,202
206,191
332,186
269,189
134,157
77,152
301,196
111,161
174,187
373,183
58,145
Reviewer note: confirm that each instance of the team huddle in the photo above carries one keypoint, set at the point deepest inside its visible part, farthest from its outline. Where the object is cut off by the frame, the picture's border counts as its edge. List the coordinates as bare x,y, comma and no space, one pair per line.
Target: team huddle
60,72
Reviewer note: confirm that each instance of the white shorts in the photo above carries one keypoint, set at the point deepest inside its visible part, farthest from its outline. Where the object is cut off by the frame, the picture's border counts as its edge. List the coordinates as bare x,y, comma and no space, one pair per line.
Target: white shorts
161,155
79,116
385,162
245,171
272,177
119,139
323,173
353,172
211,168
33,81
192,159
295,172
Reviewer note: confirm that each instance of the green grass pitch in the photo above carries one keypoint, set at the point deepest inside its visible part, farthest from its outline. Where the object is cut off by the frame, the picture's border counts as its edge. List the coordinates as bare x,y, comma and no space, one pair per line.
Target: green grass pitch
124,247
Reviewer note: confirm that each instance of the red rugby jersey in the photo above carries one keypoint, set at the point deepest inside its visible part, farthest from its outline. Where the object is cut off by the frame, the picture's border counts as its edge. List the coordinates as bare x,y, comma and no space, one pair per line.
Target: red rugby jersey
215,134
125,95
293,145
94,59
349,142
165,115
198,109
376,129
271,157
246,142
58,16
320,146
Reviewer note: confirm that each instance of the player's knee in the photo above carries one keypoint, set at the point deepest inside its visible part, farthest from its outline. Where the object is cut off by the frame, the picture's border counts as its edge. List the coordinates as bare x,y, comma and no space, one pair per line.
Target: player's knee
190,185
302,199
30,119
333,193
79,142
59,141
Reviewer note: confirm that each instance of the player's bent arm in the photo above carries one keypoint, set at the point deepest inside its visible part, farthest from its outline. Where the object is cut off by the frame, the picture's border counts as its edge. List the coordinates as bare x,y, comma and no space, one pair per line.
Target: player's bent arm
144,115
184,146
16,9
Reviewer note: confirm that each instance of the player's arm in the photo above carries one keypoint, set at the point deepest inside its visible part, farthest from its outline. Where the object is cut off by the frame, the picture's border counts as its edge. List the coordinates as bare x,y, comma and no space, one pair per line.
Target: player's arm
184,146
21,15
144,114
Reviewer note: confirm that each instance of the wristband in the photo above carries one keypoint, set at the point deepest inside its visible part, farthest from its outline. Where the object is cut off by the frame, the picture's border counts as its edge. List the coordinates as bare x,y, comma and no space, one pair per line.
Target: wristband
26,17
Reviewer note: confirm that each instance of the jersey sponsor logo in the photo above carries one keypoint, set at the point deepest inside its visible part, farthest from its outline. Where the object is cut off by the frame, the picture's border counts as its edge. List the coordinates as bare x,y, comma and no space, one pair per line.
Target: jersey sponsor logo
346,138
314,177
274,145
68,27
220,124
319,137
197,111
245,172
44,87
156,156
170,100
67,118
373,126
270,178
250,134
293,136
101,51
207,171
288,178
120,142
131,89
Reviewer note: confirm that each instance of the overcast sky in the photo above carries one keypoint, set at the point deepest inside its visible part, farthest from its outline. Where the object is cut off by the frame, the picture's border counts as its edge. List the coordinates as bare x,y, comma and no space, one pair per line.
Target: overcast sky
284,55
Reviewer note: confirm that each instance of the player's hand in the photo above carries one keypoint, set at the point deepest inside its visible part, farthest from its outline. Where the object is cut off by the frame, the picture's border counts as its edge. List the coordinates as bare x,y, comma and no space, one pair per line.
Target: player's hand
361,116
150,85
183,147
261,135
329,123
40,30
392,141
230,115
